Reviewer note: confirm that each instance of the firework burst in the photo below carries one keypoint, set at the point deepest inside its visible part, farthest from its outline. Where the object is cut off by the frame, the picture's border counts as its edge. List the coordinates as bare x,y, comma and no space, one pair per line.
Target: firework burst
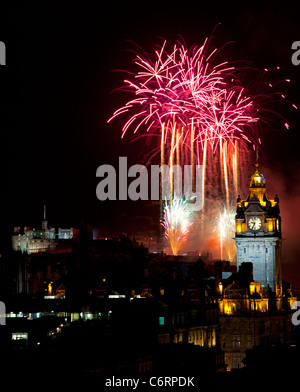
176,222
182,86
202,114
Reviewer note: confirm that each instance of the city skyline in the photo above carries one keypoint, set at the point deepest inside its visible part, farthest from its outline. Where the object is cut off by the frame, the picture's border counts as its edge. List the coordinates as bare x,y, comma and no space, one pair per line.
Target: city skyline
98,288
60,85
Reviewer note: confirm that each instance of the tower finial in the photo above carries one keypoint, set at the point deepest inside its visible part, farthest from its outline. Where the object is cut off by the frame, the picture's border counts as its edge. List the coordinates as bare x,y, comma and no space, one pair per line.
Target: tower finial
256,163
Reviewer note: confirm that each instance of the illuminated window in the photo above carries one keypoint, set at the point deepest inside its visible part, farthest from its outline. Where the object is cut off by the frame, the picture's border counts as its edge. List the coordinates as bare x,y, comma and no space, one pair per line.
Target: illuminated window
236,341
19,336
161,320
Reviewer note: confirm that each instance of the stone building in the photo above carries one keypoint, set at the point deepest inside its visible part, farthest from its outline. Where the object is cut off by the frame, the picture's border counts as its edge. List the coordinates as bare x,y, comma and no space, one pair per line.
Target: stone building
248,317
255,305
258,234
30,240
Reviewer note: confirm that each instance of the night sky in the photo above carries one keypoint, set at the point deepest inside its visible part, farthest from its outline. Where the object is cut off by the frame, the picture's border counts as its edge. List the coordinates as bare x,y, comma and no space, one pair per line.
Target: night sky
57,94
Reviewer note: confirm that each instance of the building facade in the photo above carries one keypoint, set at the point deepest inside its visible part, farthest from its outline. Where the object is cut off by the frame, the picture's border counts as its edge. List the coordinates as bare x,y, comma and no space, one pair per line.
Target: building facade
28,240
254,305
258,234
248,317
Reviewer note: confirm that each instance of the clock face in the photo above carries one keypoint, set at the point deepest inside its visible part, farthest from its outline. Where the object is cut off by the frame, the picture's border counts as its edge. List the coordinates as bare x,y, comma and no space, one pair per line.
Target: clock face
254,223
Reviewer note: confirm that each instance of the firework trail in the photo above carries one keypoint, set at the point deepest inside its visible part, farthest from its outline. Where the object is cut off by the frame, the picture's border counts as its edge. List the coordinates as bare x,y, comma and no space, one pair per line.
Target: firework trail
226,229
176,222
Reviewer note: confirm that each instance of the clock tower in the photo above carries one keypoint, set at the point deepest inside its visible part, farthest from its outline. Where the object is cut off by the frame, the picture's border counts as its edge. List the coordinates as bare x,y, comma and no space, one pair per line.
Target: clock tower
258,234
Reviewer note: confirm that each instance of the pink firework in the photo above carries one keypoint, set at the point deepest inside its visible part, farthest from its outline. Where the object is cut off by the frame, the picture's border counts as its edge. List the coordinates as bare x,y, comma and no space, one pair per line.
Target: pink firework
201,114
184,87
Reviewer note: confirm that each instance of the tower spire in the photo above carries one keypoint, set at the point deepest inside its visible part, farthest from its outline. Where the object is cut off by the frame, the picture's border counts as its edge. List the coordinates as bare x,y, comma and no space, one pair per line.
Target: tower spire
44,222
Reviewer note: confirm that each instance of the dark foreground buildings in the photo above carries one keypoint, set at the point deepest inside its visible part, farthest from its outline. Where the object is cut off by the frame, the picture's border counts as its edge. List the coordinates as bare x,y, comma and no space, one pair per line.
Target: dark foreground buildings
95,307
